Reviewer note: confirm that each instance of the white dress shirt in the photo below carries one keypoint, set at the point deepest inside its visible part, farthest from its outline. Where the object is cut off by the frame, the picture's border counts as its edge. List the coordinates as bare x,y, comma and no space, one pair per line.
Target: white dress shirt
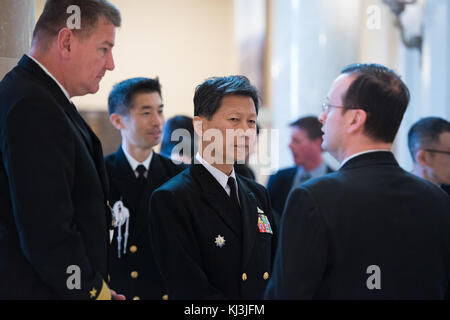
134,163
221,177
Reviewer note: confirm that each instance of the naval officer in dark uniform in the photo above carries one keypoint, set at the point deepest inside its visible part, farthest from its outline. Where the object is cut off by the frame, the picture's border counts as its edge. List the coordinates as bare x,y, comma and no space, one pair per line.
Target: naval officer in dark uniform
213,230
135,171
54,218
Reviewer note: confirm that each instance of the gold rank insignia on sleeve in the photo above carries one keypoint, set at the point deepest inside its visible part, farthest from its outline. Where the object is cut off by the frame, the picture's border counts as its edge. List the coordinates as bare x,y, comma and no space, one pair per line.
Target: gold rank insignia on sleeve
105,293
93,293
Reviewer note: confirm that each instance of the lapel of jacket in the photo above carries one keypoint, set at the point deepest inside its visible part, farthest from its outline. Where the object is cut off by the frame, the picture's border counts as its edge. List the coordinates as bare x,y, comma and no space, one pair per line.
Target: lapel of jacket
121,167
216,197
288,181
249,219
99,162
90,139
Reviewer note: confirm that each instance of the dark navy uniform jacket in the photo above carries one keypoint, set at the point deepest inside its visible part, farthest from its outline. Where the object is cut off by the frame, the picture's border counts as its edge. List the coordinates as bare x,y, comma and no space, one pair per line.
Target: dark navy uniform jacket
279,186
205,249
368,231
135,274
54,217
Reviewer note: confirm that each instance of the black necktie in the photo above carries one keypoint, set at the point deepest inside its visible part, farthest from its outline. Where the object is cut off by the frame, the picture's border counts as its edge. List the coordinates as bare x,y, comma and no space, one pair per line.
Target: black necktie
141,173
233,194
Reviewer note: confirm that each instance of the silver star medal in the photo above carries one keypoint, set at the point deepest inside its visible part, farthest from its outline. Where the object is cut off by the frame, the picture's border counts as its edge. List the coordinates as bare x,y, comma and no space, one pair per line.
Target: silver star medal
220,241
121,216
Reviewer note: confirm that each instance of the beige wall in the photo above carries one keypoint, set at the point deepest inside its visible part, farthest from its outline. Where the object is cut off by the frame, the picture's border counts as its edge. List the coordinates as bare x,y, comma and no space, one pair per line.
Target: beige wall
181,41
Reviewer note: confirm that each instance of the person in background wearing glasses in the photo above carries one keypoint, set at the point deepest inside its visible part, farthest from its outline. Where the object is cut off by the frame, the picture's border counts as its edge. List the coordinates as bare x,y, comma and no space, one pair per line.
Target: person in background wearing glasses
370,230
429,144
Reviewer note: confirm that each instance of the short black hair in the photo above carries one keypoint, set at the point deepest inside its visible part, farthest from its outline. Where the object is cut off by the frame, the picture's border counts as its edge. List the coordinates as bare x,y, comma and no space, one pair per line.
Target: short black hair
174,123
54,17
120,99
208,95
426,132
382,94
311,125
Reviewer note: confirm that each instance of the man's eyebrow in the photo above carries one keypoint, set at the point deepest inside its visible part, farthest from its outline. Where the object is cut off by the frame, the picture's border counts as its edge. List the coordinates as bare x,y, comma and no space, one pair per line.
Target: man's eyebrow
108,43
150,107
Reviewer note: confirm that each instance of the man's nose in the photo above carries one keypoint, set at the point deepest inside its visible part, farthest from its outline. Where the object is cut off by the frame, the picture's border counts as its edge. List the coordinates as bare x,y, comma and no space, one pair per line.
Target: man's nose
157,121
322,117
110,62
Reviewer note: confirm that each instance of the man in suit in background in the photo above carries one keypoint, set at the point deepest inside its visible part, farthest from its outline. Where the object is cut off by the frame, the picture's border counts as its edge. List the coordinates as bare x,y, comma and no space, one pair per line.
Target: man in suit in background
370,230
306,148
135,171
214,232
429,144
54,218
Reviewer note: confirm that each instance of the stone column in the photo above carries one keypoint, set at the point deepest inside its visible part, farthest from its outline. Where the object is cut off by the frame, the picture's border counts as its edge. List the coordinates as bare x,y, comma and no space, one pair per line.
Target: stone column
312,42
426,74
17,21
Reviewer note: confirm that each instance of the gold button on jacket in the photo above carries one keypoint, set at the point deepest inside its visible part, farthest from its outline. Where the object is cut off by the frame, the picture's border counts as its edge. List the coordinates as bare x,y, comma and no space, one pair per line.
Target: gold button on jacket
134,274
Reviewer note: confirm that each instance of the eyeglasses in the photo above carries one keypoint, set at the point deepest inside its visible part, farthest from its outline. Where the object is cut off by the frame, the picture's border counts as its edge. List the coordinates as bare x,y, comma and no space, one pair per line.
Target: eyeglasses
438,151
326,106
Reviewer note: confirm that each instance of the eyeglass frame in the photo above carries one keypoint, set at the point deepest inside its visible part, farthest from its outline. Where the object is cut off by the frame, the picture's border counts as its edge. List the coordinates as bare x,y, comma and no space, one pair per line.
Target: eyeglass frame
326,107
437,151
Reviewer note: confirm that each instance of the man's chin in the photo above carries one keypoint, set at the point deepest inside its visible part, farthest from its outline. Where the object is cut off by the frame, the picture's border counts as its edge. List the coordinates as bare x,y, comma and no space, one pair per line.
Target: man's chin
87,91
152,144
239,159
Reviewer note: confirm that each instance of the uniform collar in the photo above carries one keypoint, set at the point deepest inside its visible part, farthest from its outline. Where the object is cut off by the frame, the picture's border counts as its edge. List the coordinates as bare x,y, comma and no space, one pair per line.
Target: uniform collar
134,163
221,177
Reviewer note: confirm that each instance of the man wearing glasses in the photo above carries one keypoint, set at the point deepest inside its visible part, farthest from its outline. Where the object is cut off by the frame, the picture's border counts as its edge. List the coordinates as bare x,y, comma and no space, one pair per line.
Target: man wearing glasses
429,144
371,230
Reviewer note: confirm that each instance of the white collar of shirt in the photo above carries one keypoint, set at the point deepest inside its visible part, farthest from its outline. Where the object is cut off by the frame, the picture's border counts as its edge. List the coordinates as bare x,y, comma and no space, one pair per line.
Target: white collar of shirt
221,177
51,76
134,163
361,153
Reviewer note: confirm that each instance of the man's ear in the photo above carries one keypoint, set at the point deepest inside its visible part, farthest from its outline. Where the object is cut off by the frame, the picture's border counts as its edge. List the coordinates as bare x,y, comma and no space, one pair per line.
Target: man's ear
422,158
65,42
117,121
357,120
198,125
